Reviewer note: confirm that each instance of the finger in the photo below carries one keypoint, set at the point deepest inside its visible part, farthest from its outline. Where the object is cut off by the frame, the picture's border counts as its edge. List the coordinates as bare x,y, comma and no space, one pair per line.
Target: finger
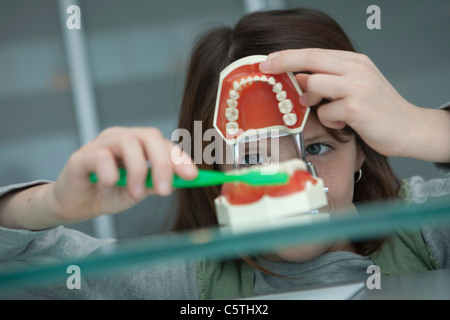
312,60
302,79
100,161
339,54
333,114
182,163
159,158
307,99
106,138
105,167
323,86
131,152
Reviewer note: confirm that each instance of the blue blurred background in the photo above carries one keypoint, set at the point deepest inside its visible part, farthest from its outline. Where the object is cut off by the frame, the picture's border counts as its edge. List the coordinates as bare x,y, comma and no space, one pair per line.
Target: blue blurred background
135,58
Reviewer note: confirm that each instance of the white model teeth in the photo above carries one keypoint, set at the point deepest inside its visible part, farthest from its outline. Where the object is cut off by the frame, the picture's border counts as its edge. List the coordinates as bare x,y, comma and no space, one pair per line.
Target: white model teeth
281,95
232,114
232,103
234,95
293,165
237,85
232,128
277,87
289,166
285,106
290,119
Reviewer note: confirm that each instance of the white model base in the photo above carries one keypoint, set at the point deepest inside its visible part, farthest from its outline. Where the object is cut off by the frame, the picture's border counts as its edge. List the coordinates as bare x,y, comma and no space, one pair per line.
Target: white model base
273,211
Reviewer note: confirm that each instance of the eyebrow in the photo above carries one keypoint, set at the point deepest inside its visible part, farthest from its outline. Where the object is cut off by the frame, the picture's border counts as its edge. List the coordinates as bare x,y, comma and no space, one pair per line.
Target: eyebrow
316,137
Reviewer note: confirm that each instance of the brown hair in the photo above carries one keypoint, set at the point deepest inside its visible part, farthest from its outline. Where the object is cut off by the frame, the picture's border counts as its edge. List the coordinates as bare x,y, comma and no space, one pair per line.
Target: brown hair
263,33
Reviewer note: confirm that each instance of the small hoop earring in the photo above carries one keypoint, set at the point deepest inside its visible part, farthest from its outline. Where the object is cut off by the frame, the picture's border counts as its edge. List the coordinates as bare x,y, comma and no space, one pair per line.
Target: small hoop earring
359,176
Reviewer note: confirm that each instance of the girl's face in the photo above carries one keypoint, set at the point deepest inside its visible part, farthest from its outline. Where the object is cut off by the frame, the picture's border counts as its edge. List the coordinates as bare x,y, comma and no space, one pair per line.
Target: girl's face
335,162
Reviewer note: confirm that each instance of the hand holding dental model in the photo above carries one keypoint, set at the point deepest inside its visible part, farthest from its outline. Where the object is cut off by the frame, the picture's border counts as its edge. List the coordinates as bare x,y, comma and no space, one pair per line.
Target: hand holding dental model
362,98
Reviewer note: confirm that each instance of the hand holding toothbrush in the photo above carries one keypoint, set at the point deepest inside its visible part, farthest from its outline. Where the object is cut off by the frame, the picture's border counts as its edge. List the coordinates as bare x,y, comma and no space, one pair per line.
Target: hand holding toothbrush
73,198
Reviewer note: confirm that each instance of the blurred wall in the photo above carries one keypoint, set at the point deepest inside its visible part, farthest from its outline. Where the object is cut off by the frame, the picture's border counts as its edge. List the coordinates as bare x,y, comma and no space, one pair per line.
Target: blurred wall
137,52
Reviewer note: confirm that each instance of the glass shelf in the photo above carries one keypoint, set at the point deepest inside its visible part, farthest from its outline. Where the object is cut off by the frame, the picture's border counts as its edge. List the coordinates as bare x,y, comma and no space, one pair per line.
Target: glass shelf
374,219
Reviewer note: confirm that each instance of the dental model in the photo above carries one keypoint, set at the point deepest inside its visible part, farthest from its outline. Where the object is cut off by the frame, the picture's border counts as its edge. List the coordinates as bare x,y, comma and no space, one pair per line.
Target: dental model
248,103
242,207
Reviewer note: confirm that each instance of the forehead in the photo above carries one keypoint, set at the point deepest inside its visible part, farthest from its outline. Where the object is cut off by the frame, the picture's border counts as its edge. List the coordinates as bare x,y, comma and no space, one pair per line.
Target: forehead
314,128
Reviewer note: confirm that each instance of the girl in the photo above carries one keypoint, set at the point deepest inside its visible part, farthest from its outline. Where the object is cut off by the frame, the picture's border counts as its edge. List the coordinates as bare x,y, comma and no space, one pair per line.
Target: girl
357,120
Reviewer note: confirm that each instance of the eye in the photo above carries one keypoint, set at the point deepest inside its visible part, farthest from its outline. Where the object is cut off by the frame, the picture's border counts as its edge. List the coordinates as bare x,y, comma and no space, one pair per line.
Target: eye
253,159
317,149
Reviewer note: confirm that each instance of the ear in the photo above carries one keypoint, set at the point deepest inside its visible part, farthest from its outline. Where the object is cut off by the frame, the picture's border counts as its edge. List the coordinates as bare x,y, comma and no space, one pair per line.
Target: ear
360,157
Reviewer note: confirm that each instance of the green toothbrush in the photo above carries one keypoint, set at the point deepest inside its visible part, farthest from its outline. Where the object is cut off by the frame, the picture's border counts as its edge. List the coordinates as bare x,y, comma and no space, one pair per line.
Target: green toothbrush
207,178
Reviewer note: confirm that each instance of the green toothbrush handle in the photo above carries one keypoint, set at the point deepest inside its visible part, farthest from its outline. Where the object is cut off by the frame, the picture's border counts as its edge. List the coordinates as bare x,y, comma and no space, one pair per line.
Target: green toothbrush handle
205,178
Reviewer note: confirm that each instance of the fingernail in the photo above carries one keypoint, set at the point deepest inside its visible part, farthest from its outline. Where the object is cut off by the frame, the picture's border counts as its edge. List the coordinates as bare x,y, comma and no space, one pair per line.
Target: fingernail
190,171
273,55
138,190
304,100
164,188
265,65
